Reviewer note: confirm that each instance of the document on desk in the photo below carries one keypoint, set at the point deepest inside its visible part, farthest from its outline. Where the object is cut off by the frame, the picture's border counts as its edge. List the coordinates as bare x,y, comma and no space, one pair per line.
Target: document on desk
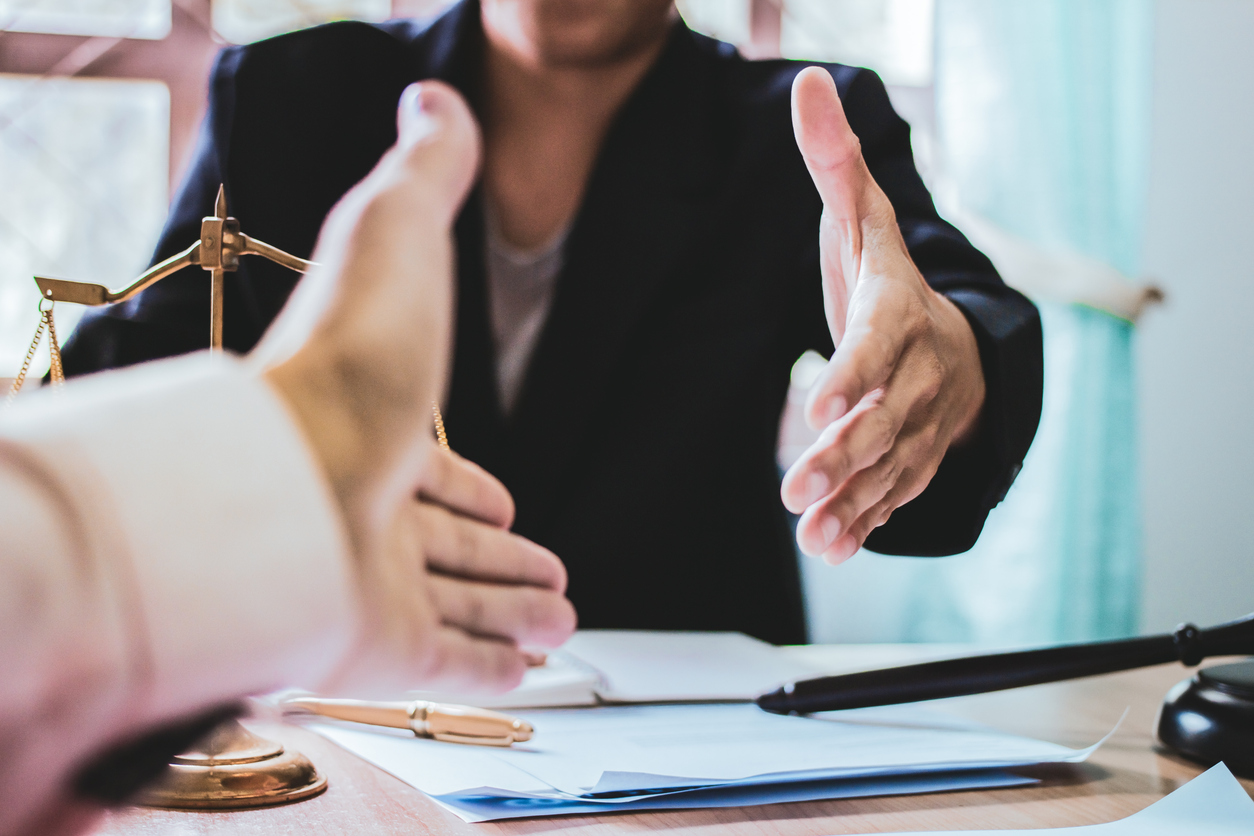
1214,804
639,666
669,756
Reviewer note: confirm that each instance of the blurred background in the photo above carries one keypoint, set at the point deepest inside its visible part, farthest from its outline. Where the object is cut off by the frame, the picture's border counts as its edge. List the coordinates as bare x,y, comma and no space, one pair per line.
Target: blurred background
1097,150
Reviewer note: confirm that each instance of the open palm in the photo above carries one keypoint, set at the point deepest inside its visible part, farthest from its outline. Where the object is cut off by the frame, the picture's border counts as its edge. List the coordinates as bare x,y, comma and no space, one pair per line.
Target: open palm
905,381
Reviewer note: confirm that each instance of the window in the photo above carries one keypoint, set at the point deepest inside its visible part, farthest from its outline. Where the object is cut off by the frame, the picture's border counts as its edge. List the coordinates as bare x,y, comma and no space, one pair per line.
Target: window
83,191
110,18
244,21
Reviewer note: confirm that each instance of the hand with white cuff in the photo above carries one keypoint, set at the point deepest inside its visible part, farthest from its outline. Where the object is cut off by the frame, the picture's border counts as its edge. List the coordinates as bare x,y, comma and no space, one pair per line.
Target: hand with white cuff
905,382
360,353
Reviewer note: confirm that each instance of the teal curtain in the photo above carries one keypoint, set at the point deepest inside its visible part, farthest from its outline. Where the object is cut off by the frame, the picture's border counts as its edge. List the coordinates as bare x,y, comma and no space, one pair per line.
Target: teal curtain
1042,123
1043,112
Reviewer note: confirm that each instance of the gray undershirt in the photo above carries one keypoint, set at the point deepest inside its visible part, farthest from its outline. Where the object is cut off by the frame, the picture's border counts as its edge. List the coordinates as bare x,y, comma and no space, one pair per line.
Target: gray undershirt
521,284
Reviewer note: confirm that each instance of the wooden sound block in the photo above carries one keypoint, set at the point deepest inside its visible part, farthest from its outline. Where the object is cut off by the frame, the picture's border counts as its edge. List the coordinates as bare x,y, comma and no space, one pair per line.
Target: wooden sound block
1210,717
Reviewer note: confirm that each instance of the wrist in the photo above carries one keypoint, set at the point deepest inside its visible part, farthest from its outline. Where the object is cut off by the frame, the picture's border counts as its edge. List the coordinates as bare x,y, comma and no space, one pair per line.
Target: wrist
338,441
966,373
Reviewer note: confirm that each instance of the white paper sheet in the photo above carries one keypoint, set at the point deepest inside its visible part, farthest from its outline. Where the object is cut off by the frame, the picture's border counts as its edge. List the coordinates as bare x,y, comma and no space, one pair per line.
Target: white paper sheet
562,680
639,666
1212,804
651,747
612,756
658,666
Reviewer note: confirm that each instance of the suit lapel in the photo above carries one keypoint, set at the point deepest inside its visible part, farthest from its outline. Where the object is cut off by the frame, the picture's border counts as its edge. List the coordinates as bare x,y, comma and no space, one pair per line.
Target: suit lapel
451,49
476,424
646,192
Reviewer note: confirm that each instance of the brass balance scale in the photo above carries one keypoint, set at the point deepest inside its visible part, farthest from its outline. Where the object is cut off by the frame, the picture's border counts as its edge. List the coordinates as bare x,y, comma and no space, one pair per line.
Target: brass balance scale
231,767
219,250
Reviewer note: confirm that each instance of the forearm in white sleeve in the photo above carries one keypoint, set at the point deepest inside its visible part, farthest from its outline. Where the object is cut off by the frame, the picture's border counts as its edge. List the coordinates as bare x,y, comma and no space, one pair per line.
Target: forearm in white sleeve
167,543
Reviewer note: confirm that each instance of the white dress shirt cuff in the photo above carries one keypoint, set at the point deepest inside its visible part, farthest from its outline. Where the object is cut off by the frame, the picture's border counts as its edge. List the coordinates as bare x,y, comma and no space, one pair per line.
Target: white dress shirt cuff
240,577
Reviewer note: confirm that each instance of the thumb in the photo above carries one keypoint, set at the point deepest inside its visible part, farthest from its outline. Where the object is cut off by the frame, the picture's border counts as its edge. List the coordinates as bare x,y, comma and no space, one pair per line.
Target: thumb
432,113
832,153
361,349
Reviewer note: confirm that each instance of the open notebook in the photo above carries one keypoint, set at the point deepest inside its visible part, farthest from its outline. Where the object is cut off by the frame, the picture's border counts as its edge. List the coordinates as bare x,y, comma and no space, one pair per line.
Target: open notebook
643,666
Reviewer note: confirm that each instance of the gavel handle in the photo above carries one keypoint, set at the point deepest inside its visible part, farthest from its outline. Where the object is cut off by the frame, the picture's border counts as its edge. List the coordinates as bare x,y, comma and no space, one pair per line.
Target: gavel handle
998,671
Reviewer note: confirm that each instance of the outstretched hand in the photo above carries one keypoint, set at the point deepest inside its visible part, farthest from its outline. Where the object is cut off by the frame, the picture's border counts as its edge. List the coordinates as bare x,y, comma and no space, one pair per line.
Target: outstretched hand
905,381
449,597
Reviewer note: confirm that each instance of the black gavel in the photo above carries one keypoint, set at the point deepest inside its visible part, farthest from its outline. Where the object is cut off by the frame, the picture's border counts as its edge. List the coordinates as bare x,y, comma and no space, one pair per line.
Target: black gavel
1209,717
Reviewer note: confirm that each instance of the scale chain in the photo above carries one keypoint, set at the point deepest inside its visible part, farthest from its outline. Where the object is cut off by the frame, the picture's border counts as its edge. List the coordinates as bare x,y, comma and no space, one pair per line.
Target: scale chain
57,372
440,436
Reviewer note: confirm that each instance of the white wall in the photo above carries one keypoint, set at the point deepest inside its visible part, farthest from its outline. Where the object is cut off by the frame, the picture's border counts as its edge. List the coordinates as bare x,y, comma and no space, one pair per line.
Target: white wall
1196,353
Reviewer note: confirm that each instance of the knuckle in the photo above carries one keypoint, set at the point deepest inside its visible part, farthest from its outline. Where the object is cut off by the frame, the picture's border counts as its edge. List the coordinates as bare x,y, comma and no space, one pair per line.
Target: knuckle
913,481
883,428
551,619
867,522
540,566
508,558
473,610
890,471
933,378
466,544
531,609
435,523
570,621
430,659
870,352
438,474
557,568
844,507
841,461
930,437
424,514
860,530
508,668
439,592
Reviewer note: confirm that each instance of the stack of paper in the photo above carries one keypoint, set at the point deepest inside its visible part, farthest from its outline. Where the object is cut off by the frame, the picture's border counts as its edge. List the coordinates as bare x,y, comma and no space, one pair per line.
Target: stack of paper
657,757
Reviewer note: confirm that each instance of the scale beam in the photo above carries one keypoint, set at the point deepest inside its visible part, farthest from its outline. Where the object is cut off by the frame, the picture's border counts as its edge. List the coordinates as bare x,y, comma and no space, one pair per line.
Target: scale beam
218,251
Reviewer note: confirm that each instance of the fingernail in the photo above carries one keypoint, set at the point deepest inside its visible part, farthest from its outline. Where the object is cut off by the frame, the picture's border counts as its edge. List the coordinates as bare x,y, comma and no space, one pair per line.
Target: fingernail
830,526
840,551
817,487
836,408
416,121
816,531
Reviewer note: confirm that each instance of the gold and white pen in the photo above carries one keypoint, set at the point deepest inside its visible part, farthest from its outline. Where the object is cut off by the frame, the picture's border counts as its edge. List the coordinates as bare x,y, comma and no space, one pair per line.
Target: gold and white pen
438,721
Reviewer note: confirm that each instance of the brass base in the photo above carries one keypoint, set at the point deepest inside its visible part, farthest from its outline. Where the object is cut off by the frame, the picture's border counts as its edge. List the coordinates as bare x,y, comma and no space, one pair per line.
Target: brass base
233,768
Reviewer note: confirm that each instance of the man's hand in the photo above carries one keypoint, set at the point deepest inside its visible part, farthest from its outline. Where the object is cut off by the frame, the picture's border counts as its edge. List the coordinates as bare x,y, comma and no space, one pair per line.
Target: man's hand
360,353
493,590
456,597
905,381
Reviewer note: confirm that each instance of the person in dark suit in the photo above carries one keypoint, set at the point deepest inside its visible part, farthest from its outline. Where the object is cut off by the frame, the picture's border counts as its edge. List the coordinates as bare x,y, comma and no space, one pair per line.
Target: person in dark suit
638,268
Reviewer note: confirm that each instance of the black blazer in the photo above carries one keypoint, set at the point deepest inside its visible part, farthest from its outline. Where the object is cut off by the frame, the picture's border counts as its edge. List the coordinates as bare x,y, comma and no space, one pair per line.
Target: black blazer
642,446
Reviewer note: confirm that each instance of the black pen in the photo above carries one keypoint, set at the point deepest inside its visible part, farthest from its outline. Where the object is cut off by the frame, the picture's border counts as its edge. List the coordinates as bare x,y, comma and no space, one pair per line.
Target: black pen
998,671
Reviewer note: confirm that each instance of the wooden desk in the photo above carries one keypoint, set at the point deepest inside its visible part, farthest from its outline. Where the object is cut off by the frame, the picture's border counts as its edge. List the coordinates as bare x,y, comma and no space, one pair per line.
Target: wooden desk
1124,776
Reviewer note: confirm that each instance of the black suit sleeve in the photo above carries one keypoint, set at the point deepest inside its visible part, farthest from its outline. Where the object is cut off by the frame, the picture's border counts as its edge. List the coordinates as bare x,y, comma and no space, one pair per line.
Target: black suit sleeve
948,516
